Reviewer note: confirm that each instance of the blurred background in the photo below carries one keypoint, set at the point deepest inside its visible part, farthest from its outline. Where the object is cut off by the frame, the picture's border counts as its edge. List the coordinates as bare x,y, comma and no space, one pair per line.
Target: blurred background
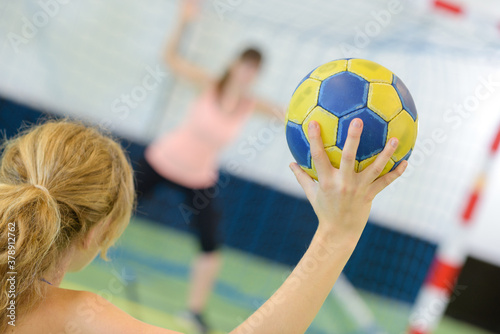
89,60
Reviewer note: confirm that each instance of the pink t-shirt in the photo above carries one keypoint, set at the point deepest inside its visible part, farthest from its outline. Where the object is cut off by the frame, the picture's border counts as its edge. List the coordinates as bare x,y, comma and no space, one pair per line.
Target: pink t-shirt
188,155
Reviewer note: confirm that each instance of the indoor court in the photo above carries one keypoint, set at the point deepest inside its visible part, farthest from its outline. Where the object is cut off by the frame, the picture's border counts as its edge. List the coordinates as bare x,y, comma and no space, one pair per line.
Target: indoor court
428,260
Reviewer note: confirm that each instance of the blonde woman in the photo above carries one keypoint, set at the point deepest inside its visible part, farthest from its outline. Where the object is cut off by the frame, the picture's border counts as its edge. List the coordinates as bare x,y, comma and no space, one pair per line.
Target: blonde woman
186,158
67,193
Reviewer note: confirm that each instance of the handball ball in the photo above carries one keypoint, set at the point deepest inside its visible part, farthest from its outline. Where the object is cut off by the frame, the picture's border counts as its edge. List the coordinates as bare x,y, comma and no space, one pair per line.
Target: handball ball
337,92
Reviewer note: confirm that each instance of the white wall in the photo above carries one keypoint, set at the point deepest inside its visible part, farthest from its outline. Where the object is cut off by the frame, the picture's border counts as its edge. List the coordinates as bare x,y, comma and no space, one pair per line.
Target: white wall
86,57
83,56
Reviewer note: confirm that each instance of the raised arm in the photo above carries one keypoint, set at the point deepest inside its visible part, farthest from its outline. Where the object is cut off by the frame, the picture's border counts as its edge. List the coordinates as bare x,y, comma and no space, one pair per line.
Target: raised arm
178,64
342,201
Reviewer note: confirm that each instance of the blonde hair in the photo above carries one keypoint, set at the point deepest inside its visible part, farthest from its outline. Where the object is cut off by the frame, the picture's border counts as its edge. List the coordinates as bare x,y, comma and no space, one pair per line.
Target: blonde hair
57,180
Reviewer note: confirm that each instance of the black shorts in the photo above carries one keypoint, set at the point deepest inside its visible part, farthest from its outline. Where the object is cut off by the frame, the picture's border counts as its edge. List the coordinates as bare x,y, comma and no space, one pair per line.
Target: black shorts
198,207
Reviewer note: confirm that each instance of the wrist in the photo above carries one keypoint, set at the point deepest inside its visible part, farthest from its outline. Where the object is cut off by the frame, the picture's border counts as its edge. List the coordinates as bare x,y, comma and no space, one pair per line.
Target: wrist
337,238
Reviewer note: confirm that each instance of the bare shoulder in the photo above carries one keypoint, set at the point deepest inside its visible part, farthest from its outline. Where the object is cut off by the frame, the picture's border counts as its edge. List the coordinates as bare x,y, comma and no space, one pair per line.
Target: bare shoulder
61,311
70,311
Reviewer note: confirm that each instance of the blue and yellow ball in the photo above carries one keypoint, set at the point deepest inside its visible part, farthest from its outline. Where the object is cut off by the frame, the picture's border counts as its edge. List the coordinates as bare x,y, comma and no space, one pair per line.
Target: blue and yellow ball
334,94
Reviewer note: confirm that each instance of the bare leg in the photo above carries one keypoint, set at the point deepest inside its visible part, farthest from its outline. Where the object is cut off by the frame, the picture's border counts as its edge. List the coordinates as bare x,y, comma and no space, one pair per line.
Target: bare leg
203,274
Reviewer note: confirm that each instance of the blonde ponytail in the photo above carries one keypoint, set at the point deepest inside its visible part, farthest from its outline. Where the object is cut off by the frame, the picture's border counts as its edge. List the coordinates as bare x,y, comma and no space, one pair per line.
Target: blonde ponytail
57,180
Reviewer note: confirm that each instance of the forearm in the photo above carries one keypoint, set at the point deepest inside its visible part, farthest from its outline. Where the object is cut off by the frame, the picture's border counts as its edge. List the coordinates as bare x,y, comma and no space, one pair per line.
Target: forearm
294,305
178,64
341,200
172,49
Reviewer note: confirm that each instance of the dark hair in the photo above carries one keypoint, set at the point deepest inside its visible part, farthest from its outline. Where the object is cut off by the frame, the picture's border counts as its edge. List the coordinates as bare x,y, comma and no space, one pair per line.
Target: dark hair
250,55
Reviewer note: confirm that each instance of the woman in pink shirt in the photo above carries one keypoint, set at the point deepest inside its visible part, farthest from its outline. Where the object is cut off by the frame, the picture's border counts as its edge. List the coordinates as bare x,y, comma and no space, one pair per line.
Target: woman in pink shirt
186,158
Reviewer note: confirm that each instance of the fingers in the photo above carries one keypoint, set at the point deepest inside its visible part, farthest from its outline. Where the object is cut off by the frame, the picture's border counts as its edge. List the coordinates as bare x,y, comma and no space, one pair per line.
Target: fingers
305,181
348,161
387,179
321,162
375,169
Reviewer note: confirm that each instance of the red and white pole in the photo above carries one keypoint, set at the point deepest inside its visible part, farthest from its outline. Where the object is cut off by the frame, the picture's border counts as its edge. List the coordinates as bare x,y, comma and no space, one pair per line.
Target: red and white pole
450,257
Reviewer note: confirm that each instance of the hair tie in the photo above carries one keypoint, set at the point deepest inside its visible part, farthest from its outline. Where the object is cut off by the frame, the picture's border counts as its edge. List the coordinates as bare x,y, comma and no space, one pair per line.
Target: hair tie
42,188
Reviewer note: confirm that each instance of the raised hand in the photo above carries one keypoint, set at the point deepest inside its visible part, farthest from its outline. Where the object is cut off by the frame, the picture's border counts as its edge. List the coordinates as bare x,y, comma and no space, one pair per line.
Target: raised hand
342,198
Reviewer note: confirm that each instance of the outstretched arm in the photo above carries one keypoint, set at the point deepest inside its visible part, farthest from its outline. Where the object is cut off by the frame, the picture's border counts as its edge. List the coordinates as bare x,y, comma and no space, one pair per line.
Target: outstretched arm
174,59
342,201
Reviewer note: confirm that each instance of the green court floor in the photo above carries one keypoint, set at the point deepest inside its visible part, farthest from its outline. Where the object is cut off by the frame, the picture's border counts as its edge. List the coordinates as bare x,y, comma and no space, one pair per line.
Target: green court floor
148,275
